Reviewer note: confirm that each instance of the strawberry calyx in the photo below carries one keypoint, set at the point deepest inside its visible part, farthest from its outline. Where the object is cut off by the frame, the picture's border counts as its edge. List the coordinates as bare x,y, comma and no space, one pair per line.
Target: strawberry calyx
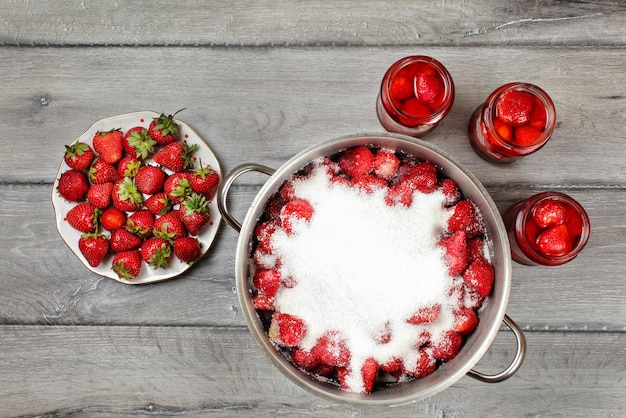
127,190
142,143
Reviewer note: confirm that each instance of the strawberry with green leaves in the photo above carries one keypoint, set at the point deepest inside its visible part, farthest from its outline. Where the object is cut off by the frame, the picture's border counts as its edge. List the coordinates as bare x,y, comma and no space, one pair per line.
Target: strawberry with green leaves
138,143
156,252
109,144
102,172
176,156
141,223
73,185
126,196
94,247
127,264
204,180
78,156
83,217
194,212
169,227
159,204
177,187
128,166
163,129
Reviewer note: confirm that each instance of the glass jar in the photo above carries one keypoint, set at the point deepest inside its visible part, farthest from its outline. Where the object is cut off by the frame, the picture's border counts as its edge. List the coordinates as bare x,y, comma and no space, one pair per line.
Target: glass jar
548,229
416,93
516,120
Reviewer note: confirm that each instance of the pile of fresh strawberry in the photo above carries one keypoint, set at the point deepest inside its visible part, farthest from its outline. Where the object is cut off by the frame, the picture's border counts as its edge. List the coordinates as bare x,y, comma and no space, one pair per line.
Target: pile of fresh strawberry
463,249
138,195
520,118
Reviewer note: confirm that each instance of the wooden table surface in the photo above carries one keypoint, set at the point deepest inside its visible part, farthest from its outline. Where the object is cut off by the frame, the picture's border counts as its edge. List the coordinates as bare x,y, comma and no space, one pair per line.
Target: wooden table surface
261,81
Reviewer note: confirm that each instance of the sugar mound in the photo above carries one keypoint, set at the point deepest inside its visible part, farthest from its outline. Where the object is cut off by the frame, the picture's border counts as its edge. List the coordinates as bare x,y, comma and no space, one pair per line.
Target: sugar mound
361,267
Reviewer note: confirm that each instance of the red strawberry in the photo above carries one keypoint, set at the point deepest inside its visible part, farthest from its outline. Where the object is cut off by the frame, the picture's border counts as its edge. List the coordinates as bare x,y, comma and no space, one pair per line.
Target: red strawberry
187,249
150,179
399,193
138,144
331,349
369,183
554,241
163,129
514,107
424,365
465,321
122,240
538,116
421,177
425,315
465,217
109,145
194,212
204,180
177,187
450,190
83,217
548,213
369,372
476,249
264,232
287,330
402,86
428,87
102,172
526,135
304,359
385,164
169,226
127,264
78,156
357,161
505,131
126,196
479,276
128,167
448,346
141,223
156,252
416,109
456,254
73,185
176,156
159,204
112,218
293,211
93,247
99,195
267,281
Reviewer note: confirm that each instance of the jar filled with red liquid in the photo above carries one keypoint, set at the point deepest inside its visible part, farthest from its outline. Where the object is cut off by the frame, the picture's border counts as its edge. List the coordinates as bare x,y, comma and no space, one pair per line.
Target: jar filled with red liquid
548,229
516,120
416,93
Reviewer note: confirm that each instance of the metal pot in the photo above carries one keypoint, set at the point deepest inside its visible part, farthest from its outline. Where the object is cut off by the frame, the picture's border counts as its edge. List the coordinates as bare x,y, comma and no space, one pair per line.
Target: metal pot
492,314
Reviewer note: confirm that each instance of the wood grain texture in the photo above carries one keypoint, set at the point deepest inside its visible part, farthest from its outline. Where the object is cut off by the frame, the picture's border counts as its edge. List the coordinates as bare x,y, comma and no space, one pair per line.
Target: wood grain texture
267,104
289,22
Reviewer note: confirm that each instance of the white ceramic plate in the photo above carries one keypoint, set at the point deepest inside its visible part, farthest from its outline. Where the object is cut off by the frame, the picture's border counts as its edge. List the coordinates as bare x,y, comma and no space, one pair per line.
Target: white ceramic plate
71,235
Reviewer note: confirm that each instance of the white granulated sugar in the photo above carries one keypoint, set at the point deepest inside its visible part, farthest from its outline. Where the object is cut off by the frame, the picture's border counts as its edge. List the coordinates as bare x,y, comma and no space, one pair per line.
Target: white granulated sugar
362,266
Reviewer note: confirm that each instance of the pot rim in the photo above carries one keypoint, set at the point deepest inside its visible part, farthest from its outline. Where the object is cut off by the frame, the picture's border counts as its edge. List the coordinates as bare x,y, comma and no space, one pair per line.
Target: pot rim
491,315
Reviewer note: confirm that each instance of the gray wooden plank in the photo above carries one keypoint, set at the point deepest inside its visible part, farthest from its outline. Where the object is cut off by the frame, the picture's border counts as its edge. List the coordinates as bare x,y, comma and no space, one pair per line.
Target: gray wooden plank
198,371
288,22
267,104
58,290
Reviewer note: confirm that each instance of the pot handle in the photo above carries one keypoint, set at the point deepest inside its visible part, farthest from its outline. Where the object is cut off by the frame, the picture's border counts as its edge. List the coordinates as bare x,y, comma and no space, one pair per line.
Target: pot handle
515,364
222,192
